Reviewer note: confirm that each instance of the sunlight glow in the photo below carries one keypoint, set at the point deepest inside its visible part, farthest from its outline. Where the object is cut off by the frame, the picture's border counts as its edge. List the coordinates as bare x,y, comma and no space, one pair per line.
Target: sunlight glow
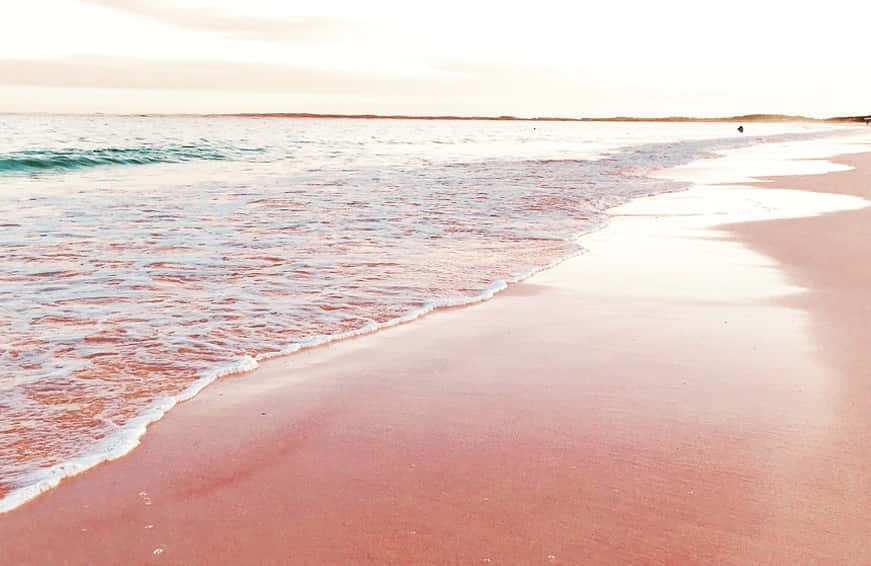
672,57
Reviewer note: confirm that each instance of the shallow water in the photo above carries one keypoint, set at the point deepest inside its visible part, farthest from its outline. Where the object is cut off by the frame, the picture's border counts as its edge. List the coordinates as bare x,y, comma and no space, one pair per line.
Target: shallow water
142,257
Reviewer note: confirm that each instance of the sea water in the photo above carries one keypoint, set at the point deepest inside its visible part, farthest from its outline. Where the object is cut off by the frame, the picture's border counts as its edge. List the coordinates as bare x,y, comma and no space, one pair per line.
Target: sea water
142,257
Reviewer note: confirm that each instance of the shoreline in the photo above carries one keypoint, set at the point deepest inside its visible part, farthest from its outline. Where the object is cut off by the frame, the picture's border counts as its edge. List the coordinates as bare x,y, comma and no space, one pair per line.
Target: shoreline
324,399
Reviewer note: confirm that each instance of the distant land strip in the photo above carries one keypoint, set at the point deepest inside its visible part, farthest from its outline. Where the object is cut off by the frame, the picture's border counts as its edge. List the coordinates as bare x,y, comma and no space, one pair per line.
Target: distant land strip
743,118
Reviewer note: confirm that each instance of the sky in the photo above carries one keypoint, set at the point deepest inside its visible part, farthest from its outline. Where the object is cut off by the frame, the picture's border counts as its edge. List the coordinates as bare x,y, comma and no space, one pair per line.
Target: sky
575,59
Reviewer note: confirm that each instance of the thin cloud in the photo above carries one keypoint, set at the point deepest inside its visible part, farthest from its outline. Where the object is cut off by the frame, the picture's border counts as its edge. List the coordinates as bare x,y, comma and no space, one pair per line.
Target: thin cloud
301,29
129,73
467,89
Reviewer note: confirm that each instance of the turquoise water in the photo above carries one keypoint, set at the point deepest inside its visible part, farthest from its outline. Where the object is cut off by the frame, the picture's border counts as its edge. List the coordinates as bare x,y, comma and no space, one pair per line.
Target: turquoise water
31,161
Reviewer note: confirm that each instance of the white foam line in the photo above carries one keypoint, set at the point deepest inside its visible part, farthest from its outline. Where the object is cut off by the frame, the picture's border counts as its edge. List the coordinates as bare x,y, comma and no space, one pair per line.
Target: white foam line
129,436
427,308
119,444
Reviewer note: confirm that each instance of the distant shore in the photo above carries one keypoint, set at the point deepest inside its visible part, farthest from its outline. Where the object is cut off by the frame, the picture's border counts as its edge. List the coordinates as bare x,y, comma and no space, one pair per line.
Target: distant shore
507,118
742,118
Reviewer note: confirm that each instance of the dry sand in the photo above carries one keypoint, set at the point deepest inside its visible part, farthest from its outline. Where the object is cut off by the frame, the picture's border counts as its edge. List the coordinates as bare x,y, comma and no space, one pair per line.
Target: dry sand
671,397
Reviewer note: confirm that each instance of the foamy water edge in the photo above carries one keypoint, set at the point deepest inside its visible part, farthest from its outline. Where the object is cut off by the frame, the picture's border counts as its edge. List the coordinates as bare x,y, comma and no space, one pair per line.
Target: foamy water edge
128,436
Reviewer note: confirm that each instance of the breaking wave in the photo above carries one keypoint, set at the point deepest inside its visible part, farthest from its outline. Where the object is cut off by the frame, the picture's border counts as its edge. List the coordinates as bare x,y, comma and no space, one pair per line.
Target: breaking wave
47,160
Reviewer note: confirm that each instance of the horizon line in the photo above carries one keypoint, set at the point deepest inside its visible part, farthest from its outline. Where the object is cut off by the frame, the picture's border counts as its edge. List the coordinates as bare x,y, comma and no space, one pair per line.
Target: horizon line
758,117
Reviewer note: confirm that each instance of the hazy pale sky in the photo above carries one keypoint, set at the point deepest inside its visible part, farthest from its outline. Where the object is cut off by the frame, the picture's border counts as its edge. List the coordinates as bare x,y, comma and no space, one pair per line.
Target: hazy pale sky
532,59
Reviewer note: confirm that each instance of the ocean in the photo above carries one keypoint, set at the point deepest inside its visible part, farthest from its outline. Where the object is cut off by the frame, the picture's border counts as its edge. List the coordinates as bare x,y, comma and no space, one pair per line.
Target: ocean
143,257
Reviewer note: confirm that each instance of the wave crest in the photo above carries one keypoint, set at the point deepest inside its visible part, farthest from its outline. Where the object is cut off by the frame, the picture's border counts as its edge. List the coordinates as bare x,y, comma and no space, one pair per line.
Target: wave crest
46,160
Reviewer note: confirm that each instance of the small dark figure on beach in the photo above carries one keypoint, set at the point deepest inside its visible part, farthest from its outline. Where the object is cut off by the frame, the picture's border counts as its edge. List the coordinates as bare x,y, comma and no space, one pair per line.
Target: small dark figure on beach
741,129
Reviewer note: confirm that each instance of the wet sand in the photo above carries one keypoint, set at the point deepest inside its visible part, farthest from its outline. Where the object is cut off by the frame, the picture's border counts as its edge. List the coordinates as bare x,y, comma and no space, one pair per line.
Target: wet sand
671,397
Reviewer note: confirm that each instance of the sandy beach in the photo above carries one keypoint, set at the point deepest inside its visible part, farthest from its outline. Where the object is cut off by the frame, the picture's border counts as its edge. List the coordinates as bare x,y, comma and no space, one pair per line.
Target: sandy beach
692,390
